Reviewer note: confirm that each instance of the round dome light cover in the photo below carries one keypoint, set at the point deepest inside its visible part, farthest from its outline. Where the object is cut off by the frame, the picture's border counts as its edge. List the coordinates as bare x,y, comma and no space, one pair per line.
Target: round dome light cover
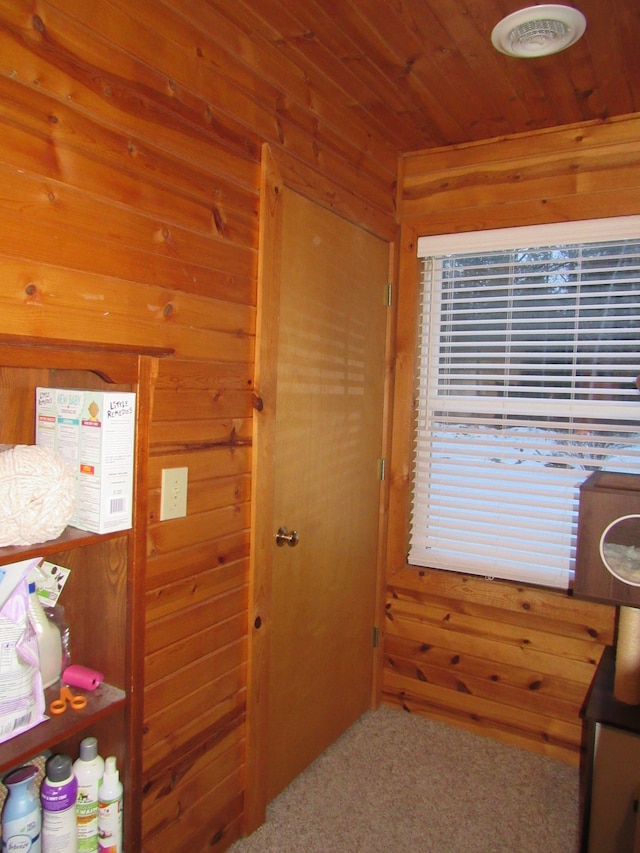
538,30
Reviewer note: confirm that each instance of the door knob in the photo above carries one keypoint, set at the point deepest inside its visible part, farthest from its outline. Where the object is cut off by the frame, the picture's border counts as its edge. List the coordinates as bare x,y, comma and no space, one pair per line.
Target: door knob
283,537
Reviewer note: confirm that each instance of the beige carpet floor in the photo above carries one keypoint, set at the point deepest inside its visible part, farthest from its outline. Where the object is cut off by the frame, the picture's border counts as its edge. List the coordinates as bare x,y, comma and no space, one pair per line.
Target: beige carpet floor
396,782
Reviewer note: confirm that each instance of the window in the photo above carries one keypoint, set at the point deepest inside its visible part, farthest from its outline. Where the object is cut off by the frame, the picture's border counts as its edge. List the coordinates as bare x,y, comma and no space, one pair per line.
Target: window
529,355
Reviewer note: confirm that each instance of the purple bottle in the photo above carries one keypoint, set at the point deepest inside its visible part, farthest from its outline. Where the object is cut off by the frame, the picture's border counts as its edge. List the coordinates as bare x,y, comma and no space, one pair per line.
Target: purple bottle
58,795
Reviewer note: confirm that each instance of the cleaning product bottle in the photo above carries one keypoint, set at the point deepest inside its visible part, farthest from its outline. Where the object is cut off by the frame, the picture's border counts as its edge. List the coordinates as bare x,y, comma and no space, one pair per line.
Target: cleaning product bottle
89,770
49,641
110,809
58,795
21,815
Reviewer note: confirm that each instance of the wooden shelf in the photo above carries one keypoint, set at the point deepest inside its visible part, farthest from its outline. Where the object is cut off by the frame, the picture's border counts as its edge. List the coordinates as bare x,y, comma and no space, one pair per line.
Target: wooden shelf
101,702
71,537
115,364
84,347
103,597
602,706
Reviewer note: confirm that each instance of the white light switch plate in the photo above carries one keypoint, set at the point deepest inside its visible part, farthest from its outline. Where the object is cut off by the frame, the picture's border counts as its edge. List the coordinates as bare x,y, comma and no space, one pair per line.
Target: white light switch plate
173,495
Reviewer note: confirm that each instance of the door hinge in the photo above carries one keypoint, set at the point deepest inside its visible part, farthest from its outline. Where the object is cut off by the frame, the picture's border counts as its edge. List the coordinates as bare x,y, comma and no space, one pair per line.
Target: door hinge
376,636
382,468
388,294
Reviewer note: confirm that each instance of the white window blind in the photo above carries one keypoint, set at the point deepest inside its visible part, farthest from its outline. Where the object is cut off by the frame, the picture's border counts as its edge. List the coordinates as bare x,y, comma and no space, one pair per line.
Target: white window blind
528,360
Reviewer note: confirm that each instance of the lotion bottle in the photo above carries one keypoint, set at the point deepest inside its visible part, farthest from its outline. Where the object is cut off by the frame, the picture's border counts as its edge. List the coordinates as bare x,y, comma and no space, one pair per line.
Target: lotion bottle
110,809
58,794
89,770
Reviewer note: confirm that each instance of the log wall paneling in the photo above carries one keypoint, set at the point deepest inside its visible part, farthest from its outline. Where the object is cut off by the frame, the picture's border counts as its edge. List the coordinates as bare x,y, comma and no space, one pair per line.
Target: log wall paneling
130,150
196,606
583,171
130,145
498,658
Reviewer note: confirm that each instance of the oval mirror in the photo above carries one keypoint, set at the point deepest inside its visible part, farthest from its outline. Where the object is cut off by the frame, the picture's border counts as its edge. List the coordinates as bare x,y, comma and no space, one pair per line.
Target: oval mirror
620,549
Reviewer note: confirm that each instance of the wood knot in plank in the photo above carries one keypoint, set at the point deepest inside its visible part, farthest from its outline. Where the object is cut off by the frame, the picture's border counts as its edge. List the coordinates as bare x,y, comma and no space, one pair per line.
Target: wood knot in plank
218,221
408,66
168,788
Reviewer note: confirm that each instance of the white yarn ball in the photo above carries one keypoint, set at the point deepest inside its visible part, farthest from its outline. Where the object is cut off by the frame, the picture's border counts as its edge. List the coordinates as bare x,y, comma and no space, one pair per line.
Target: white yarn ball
38,491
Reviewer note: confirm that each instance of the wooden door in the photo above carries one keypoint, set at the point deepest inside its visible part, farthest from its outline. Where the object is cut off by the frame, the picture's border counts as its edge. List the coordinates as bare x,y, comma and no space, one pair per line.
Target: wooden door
322,369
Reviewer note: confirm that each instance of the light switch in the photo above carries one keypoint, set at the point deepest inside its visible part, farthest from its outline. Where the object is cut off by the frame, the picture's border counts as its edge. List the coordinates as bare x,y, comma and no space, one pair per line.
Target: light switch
173,495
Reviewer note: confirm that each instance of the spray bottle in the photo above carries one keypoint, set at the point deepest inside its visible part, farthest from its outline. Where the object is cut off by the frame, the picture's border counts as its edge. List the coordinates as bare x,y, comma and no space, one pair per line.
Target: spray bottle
110,809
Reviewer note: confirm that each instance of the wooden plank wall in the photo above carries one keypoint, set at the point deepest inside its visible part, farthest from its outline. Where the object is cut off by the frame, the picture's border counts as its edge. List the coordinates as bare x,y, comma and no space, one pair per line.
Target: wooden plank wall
130,144
495,657
130,139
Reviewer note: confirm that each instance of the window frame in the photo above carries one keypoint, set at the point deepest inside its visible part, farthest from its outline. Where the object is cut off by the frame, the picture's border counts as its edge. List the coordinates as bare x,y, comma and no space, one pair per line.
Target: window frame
565,233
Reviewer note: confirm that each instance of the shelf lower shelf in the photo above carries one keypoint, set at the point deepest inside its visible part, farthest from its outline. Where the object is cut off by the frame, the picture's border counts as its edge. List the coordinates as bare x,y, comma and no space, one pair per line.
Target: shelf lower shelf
602,706
101,702
71,537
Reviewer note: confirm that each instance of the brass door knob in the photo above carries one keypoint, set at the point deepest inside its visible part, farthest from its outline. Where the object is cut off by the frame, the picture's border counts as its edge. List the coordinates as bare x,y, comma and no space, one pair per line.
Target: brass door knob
283,537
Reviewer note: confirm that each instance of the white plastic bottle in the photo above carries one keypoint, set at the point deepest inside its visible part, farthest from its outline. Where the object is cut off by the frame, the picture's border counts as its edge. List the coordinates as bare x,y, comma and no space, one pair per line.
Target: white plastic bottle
110,809
89,770
49,641
58,795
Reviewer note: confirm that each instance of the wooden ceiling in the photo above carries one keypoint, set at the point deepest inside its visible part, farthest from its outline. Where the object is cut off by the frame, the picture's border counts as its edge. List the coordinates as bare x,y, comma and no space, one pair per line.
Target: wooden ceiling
423,73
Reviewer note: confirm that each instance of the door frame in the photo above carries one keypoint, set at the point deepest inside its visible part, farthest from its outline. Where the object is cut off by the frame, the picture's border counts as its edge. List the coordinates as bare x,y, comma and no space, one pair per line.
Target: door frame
272,186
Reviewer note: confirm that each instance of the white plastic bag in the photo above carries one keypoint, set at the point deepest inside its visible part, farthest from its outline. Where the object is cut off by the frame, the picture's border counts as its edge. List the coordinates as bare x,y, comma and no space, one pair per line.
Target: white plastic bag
22,702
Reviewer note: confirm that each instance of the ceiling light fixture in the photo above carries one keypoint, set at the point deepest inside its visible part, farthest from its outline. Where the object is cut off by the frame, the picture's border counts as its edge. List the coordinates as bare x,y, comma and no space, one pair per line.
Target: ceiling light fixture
538,30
